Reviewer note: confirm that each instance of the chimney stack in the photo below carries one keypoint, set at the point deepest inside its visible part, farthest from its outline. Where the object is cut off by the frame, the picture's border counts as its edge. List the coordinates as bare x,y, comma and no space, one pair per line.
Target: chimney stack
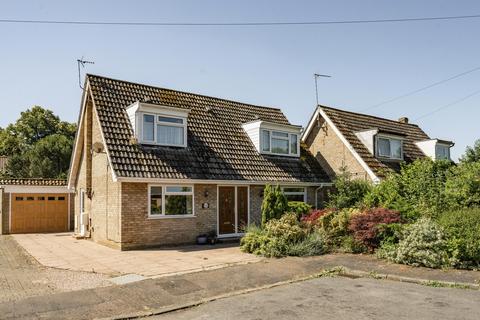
403,120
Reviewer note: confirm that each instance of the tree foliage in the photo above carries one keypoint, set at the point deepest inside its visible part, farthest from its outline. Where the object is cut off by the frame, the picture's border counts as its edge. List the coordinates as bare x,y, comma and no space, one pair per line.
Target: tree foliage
38,144
347,192
274,204
472,154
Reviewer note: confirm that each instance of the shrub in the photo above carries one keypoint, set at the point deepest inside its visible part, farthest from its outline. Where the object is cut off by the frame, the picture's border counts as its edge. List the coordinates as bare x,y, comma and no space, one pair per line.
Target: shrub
274,203
314,244
299,207
389,234
347,192
422,244
419,189
462,188
350,245
312,217
275,238
364,226
463,236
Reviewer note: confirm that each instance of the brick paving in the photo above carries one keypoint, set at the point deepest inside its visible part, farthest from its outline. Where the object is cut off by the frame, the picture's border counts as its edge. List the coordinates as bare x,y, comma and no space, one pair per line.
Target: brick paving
63,251
22,277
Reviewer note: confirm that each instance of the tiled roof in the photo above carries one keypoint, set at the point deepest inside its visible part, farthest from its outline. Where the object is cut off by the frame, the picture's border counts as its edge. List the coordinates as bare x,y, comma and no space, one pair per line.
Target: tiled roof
218,148
34,182
348,123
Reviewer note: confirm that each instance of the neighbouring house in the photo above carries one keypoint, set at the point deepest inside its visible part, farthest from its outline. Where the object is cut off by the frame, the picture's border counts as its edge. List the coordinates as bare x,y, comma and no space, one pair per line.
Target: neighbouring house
35,205
367,146
155,167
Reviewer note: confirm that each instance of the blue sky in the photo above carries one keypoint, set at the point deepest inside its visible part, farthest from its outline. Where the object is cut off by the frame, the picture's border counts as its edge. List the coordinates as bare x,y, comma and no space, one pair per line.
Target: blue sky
270,66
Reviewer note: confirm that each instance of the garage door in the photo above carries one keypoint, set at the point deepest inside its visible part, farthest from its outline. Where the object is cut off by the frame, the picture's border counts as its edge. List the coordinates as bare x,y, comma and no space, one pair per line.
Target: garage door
39,213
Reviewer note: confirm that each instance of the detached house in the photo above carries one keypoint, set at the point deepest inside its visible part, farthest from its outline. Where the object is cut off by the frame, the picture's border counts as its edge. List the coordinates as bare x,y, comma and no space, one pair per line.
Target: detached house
367,146
153,166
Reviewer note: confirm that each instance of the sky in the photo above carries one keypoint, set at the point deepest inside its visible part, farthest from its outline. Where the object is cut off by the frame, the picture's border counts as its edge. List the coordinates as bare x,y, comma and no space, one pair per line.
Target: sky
268,65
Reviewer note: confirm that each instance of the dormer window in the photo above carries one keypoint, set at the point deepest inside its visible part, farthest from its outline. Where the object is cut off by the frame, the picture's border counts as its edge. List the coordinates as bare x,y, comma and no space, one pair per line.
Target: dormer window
389,148
442,152
159,125
278,142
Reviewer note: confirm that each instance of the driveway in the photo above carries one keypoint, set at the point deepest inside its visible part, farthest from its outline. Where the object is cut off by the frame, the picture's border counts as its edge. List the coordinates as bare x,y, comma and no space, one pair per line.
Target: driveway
341,298
62,251
22,277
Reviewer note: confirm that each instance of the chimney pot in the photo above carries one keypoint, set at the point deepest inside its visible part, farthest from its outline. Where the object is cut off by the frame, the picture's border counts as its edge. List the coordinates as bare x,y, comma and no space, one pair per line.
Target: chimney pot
403,120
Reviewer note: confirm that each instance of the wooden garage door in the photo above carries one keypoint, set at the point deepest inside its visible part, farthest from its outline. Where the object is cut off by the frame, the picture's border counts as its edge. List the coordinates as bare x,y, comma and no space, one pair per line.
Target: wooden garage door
39,213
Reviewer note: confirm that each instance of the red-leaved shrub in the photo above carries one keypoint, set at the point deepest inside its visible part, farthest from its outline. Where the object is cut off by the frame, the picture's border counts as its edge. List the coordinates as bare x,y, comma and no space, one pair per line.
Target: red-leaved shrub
364,225
314,215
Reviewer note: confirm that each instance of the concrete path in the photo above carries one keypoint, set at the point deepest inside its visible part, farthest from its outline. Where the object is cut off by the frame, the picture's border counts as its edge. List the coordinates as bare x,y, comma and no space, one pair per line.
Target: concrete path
340,298
63,251
22,277
153,296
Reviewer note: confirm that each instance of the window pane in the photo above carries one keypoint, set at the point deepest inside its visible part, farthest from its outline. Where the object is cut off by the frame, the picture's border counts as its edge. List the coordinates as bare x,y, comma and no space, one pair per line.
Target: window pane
383,147
148,127
179,189
442,152
156,200
171,120
265,140
169,135
293,144
178,204
279,134
396,146
279,146
295,197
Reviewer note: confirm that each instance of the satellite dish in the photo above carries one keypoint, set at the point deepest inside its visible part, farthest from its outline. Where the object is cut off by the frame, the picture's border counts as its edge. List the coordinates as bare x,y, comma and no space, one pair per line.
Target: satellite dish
97,147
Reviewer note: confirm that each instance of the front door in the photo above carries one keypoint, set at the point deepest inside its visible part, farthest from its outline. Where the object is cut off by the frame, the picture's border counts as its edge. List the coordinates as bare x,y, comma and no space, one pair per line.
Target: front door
226,210
232,209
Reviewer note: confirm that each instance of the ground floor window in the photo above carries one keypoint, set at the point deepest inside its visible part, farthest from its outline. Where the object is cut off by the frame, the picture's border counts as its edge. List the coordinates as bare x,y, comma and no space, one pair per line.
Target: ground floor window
295,193
170,200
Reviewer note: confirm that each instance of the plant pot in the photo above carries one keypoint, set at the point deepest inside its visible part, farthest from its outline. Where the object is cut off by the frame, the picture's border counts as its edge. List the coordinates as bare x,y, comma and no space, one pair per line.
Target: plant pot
202,239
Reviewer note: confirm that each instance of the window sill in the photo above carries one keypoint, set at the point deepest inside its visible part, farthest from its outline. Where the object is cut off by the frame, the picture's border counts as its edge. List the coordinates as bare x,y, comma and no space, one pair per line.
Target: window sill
159,217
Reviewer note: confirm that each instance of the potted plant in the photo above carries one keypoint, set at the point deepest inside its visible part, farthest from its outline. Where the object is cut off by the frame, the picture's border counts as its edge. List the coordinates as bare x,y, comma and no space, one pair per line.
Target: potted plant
202,239
212,237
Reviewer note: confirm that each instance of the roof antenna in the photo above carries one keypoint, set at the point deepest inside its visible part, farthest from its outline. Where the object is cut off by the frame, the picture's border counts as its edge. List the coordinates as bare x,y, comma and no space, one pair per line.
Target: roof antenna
81,62
316,75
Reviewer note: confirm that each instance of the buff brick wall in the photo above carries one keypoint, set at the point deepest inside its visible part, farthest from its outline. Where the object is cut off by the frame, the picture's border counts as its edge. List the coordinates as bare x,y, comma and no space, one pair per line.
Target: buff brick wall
138,231
332,153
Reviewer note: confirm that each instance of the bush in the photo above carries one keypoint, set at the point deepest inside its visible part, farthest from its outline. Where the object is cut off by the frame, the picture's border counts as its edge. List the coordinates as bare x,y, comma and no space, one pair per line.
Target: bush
312,217
347,192
463,236
364,226
422,244
462,188
274,203
350,245
314,244
419,189
299,207
275,238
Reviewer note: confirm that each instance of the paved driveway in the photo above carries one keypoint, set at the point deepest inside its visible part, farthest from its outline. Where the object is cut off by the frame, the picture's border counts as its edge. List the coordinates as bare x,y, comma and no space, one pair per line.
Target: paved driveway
22,277
62,251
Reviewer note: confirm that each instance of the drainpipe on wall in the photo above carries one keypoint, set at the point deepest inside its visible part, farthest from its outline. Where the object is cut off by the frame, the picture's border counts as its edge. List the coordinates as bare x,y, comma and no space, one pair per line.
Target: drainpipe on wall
329,184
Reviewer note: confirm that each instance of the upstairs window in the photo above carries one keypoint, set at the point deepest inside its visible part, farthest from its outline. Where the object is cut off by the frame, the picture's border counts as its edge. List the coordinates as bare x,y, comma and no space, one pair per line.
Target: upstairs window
442,152
389,148
164,130
279,142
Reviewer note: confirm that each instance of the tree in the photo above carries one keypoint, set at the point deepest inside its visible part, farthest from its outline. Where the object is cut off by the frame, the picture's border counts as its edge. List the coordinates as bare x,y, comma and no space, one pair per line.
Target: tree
274,204
472,154
347,192
38,144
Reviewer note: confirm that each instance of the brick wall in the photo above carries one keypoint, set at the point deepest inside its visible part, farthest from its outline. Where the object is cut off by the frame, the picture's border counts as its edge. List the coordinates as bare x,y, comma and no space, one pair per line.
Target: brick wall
331,152
139,231
5,207
256,198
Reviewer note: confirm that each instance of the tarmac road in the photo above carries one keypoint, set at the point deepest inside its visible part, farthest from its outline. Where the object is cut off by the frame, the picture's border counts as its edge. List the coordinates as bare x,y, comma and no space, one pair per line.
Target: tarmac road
341,298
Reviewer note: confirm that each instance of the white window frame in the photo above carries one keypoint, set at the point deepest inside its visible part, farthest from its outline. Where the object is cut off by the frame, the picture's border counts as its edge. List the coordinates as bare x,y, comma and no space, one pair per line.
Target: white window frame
165,193
289,135
295,193
170,124
389,138
447,147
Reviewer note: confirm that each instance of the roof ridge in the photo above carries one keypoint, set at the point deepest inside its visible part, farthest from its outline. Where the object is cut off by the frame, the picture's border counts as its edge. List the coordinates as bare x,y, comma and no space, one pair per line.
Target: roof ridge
368,115
185,92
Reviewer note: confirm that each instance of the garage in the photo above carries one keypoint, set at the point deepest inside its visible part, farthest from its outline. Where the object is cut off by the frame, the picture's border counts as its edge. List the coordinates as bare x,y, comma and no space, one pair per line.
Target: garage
35,206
